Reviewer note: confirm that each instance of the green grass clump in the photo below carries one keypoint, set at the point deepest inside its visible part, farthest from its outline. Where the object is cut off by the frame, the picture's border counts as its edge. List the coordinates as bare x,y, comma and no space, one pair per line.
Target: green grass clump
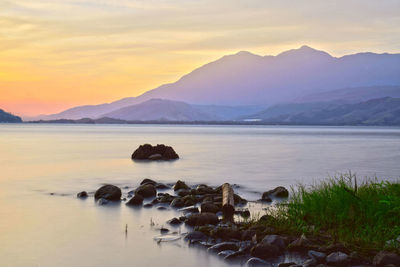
362,216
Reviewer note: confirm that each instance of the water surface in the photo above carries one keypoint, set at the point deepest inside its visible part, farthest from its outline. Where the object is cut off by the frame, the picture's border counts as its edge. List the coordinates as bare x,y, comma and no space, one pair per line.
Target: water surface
44,166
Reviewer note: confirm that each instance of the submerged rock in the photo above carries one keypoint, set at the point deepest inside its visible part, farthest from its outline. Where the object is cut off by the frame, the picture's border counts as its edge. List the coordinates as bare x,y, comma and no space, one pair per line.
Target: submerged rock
137,200
180,185
279,191
148,181
196,236
82,194
146,190
159,152
174,221
256,262
108,192
202,219
224,246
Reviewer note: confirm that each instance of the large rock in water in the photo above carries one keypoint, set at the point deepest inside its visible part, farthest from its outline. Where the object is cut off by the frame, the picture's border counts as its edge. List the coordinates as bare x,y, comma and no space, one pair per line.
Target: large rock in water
146,190
108,192
159,152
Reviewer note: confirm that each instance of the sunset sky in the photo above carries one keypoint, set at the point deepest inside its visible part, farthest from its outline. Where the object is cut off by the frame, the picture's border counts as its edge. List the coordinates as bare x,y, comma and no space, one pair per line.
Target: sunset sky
56,54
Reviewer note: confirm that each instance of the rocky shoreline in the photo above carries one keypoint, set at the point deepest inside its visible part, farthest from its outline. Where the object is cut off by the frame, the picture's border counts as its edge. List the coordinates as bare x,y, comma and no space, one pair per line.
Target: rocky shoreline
241,241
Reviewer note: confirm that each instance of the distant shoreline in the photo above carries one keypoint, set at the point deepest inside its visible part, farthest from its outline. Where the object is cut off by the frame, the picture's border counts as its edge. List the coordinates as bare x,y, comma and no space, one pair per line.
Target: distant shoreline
246,123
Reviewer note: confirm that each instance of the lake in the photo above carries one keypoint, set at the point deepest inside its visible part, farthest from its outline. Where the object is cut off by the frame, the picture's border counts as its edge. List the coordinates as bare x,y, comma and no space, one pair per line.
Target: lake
43,166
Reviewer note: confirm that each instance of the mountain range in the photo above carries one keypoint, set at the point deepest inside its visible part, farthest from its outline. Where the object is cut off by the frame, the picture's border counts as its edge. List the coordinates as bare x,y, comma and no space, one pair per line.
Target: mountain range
237,86
8,117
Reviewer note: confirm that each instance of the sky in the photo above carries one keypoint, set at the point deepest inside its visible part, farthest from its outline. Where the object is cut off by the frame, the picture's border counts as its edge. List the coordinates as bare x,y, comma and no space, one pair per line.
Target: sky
55,54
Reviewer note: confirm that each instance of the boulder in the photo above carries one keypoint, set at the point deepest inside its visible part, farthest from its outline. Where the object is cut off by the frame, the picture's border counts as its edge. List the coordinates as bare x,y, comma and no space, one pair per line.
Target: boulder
248,234
162,186
108,192
209,207
266,251
102,201
180,185
301,243
318,256
224,246
286,264
336,258
196,236
203,189
177,203
385,258
174,221
309,263
148,181
146,190
137,200
279,191
256,262
82,194
159,152
275,240
202,219
225,253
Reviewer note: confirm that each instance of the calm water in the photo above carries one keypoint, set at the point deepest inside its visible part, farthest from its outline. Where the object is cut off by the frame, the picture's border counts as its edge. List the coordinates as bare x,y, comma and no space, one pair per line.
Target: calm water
38,228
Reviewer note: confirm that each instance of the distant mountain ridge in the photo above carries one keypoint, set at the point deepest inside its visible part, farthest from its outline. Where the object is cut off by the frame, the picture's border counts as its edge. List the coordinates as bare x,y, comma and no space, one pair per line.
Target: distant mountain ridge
8,117
382,111
246,79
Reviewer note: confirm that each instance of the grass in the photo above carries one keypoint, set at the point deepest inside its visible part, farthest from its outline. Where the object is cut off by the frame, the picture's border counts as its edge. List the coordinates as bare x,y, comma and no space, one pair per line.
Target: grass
361,216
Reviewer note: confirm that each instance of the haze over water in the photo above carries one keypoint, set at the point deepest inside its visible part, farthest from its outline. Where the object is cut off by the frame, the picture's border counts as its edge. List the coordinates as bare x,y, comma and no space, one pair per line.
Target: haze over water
44,166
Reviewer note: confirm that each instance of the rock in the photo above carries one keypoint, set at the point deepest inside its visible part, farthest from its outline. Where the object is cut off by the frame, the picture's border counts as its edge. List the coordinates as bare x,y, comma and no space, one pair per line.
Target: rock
174,221
203,189
177,203
318,256
146,190
244,213
148,205
238,256
108,192
225,253
159,152
196,236
301,243
336,258
248,234
226,232
166,198
148,181
202,219
190,210
162,186
183,192
266,199
310,263
265,251
102,201
82,194
180,185
275,240
256,262
162,208
164,230
135,201
223,246
209,207
280,191
286,264
239,200
385,258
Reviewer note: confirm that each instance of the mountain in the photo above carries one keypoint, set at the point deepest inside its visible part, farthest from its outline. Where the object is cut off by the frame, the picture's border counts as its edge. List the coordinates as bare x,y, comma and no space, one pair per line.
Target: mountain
382,111
248,79
352,95
168,110
161,110
8,117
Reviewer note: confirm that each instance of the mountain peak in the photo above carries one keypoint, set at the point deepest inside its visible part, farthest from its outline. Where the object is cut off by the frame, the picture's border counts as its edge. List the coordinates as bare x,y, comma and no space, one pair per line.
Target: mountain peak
304,51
